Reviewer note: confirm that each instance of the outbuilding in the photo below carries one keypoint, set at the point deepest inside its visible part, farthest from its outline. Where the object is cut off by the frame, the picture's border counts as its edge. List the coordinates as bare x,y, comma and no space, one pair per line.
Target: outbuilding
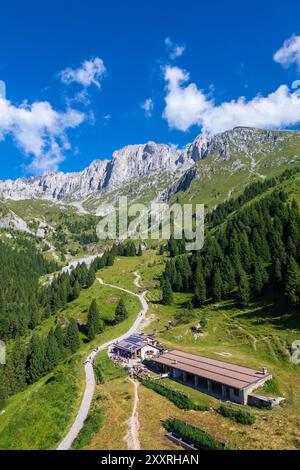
220,379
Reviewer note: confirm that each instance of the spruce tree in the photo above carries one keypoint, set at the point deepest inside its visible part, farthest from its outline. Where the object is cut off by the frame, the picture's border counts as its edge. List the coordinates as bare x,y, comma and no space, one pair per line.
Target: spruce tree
35,360
94,322
90,279
172,247
72,340
19,365
75,291
121,311
178,285
217,285
200,289
52,352
167,293
186,274
243,292
59,336
110,259
228,274
277,271
161,250
4,387
257,281
292,283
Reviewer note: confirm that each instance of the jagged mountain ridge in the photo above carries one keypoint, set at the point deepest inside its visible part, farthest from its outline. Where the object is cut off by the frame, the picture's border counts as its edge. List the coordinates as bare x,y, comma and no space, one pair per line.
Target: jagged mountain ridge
135,162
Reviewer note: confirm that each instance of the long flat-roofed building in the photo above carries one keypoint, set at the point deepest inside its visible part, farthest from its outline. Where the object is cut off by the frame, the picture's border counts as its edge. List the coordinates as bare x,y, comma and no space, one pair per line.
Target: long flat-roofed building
217,378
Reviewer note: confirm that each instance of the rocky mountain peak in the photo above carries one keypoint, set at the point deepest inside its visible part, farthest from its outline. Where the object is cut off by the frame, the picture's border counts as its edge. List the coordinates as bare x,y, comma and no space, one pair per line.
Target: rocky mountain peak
246,140
136,162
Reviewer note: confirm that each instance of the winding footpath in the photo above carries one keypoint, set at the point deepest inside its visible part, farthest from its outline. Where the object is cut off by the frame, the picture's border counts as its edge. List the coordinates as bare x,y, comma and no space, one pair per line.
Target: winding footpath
82,414
132,437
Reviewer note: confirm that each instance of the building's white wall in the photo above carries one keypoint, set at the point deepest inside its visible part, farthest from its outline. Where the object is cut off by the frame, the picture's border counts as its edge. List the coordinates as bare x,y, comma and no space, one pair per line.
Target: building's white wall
148,349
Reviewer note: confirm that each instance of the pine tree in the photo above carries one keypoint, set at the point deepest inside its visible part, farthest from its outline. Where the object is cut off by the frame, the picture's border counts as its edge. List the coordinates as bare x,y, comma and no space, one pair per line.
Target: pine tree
19,366
200,289
178,284
72,340
167,293
257,281
245,251
217,285
121,311
243,292
161,250
277,271
140,251
52,352
4,387
59,336
292,283
110,259
94,322
172,247
228,274
293,240
186,274
34,317
75,293
35,360
90,279
63,292
130,249
47,311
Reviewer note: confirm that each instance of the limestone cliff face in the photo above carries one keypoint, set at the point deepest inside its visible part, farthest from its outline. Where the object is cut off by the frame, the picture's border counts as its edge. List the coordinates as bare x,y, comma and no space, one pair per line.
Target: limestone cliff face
128,164
135,162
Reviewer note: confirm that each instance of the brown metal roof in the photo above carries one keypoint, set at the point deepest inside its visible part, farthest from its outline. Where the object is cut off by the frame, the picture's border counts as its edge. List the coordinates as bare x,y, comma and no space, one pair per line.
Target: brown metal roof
228,374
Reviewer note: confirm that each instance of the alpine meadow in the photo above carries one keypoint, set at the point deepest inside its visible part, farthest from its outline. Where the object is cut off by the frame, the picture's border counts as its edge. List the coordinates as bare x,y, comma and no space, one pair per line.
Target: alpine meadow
149,292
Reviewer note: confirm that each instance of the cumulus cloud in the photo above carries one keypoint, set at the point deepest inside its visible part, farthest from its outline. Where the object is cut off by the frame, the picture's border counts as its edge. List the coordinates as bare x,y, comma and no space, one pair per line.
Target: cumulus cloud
186,106
289,53
89,73
39,131
174,50
148,106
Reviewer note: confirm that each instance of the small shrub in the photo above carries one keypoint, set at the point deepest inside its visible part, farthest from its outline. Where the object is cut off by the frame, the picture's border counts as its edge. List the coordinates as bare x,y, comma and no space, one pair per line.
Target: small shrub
180,399
271,386
100,378
91,425
193,435
240,416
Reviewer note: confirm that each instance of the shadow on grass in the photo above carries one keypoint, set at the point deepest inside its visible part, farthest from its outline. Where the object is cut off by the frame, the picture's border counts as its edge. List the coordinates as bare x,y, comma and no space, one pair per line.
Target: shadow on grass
273,310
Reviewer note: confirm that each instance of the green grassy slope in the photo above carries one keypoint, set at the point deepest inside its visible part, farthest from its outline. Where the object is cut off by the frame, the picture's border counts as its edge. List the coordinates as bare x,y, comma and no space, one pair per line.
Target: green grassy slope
217,179
39,417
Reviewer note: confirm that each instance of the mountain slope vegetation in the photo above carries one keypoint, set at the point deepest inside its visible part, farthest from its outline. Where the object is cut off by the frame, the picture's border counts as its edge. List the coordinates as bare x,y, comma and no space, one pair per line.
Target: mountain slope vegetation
239,297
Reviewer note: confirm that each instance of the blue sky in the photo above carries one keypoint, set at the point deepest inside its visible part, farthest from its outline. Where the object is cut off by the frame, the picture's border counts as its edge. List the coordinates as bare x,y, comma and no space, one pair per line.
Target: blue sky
85,78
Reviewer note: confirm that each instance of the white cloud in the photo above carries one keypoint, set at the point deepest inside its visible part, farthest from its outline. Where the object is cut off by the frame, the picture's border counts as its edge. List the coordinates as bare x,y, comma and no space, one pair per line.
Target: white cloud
39,131
174,50
148,106
279,109
186,106
90,73
289,53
